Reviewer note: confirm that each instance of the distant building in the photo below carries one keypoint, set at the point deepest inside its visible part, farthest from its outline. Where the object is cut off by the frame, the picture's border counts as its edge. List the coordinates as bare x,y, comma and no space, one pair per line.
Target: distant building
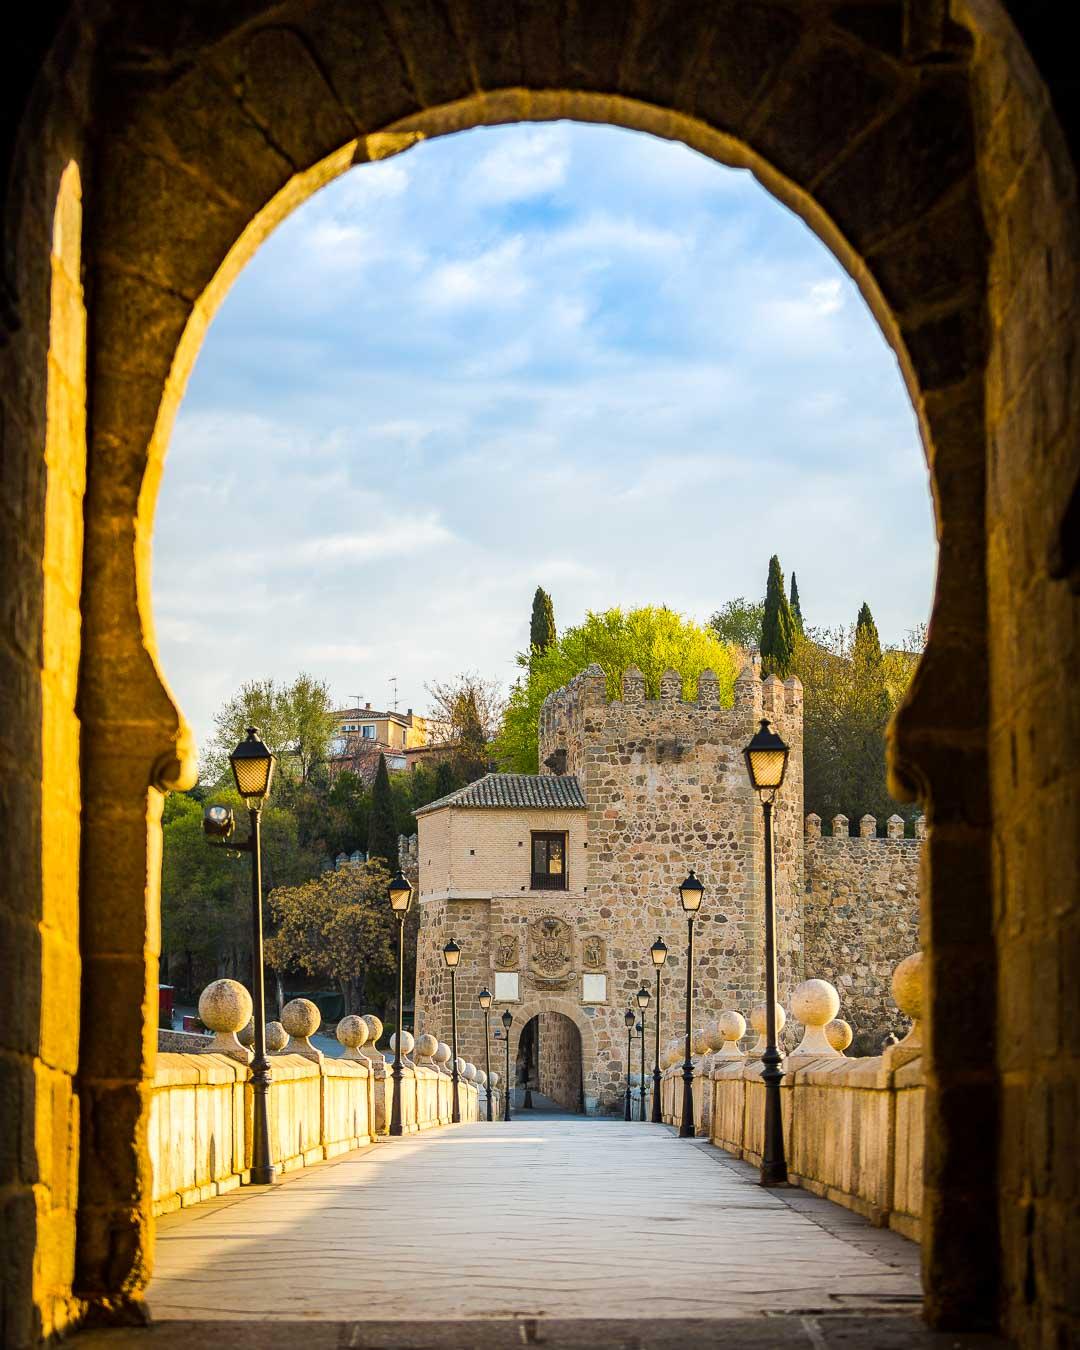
363,734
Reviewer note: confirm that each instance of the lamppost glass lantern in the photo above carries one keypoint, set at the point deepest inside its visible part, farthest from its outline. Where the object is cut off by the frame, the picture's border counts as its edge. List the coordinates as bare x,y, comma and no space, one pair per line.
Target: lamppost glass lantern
642,997
401,893
253,768
452,955
628,1021
508,1022
691,893
766,759
484,999
766,763
658,952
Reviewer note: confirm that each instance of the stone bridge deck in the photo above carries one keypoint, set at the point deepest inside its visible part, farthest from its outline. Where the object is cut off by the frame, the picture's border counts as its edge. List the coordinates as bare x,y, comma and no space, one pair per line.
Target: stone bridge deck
485,1235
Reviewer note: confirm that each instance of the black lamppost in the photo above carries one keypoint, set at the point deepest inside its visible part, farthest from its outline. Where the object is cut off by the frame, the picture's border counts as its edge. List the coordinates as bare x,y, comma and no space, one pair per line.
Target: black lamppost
766,763
658,952
643,1003
452,955
253,769
400,893
628,1019
484,998
508,1022
691,893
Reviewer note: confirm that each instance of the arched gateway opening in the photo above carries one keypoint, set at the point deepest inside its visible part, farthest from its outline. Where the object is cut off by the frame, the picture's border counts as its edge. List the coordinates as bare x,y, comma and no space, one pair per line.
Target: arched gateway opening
920,143
549,1074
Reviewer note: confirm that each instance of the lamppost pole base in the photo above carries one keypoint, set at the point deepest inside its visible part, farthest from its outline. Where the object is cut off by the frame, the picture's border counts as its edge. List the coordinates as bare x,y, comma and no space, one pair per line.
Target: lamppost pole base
657,1114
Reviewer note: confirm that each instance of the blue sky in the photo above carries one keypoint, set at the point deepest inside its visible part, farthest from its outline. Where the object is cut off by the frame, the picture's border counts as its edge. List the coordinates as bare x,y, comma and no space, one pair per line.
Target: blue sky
558,354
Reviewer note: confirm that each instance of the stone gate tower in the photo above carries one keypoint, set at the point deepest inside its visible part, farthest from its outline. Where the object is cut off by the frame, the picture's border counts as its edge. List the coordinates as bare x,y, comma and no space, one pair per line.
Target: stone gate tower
555,885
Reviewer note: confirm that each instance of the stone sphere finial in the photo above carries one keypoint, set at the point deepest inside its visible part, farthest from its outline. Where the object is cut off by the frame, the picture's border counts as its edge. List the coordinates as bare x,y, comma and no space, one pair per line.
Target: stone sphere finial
908,991
442,1057
730,1028
426,1045
352,1032
493,1080
469,1072
246,1034
301,1019
407,1043
277,1038
815,1003
701,1042
757,1021
375,1030
839,1034
225,1006
459,1064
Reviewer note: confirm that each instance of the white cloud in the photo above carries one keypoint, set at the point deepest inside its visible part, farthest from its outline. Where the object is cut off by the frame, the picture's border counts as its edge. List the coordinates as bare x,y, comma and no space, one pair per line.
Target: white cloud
527,355
520,168
494,277
399,537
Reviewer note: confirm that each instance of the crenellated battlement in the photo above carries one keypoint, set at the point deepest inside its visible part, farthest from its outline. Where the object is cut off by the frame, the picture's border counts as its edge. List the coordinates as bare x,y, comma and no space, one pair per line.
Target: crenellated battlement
582,712
868,829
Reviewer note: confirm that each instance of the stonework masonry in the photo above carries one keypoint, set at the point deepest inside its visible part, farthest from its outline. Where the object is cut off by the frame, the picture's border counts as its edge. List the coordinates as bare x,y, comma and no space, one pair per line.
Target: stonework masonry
665,789
559,1059
860,919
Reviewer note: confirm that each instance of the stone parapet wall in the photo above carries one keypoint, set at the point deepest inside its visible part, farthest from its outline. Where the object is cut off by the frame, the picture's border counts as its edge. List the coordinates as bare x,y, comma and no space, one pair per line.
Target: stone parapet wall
861,917
852,1130
199,1133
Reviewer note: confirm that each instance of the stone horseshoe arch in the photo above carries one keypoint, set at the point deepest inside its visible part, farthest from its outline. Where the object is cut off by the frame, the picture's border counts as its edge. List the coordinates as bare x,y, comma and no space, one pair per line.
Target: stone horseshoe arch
221,124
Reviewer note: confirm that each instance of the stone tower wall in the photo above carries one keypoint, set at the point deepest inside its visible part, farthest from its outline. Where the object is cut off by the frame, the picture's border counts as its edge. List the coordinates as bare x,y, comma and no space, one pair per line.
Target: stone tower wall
667,790
861,918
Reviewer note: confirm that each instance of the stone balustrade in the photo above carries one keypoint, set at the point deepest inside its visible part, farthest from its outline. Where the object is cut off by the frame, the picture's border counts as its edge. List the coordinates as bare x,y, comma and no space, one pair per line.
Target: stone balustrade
319,1106
853,1127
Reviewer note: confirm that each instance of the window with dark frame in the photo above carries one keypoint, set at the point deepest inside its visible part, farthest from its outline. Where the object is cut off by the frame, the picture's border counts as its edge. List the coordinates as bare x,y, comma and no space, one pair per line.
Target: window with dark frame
549,862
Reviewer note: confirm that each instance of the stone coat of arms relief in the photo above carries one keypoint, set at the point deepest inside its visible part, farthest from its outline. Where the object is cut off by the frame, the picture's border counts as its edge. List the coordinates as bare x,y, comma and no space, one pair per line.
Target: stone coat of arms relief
551,954
506,952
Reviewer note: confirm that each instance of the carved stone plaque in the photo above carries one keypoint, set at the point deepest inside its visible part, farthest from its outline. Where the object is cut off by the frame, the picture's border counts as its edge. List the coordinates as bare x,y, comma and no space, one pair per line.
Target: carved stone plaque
550,948
592,953
506,952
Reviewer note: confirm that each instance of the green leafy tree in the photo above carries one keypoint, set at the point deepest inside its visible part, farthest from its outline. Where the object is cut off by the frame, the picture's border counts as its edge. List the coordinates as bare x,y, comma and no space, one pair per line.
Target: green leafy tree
796,608
465,717
850,689
296,721
777,625
206,893
382,824
652,638
338,926
542,623
739,623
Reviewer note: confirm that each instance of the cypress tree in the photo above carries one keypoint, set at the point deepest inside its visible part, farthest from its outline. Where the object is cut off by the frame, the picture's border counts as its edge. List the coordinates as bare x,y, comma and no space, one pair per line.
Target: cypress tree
867,641
382,823
778,626
445,780
796,608
542,624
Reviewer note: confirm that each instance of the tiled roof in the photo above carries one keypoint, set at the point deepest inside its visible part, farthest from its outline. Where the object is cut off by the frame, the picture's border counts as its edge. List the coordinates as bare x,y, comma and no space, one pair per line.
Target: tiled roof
515,789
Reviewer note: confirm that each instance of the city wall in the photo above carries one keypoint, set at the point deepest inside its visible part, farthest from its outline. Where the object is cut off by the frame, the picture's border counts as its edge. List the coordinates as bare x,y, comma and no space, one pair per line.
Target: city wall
861,916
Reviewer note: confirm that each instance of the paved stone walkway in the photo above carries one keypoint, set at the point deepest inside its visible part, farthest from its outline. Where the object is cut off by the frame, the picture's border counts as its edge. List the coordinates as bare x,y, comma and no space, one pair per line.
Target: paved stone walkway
549,1217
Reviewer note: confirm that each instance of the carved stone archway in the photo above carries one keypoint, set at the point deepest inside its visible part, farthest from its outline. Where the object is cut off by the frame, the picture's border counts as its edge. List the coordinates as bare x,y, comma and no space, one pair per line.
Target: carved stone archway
921,144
